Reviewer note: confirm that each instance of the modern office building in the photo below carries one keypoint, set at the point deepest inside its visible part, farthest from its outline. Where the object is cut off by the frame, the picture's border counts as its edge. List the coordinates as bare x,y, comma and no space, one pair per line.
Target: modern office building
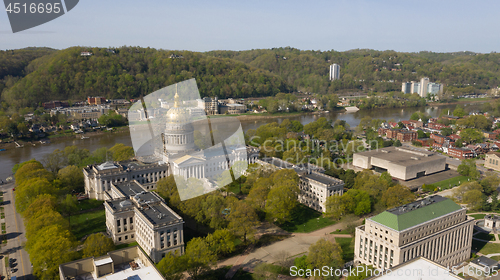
334,72
406,87
424,83
400,162
135,214
315,187
435,228
127,263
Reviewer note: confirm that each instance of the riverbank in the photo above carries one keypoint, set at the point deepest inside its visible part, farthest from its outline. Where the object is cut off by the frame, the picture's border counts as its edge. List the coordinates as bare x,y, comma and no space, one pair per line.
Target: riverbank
463,101
56,137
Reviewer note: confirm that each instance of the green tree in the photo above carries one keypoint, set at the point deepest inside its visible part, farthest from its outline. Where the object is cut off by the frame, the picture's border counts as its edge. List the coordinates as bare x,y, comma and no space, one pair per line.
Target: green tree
52,246
471,135
71,178
54,161
30,190
459,111
397,195
446,131
172,266
281,201
221,242
121,152
68,206
324,253
199,257
97,245
242,220
468,168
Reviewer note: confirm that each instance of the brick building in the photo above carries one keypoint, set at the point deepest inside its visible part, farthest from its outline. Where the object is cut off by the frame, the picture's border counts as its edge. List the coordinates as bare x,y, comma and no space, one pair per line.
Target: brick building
406,136
460,153
438,138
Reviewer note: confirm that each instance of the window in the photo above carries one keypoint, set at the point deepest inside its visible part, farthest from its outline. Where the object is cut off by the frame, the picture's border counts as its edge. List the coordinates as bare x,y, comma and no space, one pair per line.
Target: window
126,237
118,223
119,239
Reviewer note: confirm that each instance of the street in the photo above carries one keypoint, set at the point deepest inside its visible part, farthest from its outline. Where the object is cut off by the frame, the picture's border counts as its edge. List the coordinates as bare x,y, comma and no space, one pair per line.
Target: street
16,239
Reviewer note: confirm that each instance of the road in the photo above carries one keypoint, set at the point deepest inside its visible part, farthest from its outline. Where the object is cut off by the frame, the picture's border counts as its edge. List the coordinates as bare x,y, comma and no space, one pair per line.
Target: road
16,238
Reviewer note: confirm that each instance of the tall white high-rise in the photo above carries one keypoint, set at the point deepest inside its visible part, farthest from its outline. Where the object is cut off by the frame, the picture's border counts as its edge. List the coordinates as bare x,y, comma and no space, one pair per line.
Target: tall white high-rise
424,82
334,72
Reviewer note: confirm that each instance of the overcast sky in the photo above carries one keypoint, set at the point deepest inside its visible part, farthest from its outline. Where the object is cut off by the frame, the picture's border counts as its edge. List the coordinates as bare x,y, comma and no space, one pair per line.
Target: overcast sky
403,25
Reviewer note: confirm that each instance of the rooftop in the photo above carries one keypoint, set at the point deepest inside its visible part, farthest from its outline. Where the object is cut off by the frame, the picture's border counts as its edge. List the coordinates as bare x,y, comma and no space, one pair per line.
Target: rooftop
415,213
401,155
485,261
418,269
128,263
325,179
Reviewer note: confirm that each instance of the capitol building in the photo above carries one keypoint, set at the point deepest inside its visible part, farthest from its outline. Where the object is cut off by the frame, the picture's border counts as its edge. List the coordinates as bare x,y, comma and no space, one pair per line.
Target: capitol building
174,152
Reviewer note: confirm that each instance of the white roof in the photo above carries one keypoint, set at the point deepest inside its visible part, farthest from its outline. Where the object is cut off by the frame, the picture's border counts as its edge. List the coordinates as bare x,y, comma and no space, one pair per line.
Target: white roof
146,273
418,269
103,261
106,165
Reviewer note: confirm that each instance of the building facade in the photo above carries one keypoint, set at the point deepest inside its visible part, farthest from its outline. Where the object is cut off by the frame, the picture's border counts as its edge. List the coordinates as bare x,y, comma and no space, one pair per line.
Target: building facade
334,72
135,214
406,87
315,186
406,136
177,154
460,153
99,178
424,83
491,161
400,162
435,228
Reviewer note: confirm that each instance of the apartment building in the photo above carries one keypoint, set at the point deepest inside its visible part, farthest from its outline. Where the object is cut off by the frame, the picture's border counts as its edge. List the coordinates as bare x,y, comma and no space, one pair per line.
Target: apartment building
406,136
435,228
460,153
135,214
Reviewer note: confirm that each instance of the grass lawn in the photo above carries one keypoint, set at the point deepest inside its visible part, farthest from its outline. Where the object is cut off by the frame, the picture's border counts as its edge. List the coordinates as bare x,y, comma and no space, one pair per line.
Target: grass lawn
485,236
89,204
478,216
121,246
305,219
88,223
496,258
347,245
452,182
340,232
485,248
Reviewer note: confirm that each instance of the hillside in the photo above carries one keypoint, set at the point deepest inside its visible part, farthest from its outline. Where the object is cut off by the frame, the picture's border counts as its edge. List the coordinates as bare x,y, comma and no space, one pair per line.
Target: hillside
130,72
14,62
31,76
374,70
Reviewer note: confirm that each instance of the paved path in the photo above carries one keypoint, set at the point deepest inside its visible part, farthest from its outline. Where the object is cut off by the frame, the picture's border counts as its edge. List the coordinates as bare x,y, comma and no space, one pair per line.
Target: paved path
295,245
16,238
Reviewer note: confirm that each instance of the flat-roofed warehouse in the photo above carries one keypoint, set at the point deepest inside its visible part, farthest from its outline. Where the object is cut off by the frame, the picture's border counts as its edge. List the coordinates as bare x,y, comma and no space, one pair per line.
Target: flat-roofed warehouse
401,162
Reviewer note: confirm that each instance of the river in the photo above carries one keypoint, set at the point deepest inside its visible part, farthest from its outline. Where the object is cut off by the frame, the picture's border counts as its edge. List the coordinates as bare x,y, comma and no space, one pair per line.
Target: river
10,157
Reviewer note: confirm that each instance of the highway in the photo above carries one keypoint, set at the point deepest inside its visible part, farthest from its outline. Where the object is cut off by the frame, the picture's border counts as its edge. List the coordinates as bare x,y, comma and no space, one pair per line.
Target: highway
16,239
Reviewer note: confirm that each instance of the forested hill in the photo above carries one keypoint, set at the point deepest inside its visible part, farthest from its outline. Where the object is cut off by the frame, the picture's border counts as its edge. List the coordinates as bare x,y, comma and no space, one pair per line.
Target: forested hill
14,62
130,72
373,70
31,76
